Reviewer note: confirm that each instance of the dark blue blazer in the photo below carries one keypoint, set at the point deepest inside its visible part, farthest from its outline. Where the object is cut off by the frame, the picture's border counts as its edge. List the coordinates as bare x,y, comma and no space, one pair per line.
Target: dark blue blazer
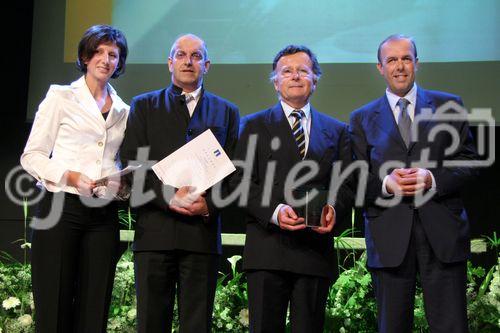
267,246
375,139
159,121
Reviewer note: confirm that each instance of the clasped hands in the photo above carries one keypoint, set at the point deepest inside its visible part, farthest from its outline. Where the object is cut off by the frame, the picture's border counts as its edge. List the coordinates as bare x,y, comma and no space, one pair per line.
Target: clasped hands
408,182
289,220
187,202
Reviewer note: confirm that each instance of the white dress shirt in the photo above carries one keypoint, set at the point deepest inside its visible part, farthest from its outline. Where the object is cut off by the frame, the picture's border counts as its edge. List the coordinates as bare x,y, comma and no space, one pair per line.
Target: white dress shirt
70,133
306,126
192,99
411,97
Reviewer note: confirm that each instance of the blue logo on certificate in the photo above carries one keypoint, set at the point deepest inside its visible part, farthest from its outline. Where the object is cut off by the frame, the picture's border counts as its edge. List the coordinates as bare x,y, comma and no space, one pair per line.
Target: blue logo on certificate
217,152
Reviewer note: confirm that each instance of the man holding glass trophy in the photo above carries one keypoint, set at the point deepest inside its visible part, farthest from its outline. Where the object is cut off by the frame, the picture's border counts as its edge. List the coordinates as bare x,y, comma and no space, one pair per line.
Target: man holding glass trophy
290,148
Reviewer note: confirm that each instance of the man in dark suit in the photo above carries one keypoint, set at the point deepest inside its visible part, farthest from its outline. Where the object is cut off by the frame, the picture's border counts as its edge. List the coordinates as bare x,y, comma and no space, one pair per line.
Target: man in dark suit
286,262
177,240
408,237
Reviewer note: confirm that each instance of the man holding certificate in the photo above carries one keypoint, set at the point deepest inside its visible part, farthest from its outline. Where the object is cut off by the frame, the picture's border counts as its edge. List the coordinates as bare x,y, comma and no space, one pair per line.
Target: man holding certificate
286,260
177,240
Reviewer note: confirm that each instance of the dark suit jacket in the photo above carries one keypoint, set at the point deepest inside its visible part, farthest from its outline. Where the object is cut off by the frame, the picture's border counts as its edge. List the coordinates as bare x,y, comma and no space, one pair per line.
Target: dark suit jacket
159,120
375,138
267,246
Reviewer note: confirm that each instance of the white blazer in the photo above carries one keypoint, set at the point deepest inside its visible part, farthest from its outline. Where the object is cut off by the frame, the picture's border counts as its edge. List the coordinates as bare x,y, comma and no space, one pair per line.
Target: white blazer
70,133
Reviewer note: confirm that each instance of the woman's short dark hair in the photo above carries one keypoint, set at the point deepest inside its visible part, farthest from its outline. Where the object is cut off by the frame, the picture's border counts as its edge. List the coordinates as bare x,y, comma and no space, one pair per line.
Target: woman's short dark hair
95,36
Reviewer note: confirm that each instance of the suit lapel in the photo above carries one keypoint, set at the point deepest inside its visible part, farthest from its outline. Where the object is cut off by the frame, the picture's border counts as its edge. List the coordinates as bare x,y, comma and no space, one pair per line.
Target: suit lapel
385,120
317,138
85,98
118,109
173,106
423,102
278,126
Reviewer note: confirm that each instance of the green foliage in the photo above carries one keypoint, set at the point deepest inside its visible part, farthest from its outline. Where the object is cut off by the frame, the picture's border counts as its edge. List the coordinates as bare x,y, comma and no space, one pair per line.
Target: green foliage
231,299
483,299
419,322
350,305
123,309
126,218
493,242
17,308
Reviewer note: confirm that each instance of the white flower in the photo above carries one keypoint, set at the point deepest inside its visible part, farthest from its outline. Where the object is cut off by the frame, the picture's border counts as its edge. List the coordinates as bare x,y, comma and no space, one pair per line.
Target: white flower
342,330
224,314
229,326
25,320
11,303
233,260
131,314
243,317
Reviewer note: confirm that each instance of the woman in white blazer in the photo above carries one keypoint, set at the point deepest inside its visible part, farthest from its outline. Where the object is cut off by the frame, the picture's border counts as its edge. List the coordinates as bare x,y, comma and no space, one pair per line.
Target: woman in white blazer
74,141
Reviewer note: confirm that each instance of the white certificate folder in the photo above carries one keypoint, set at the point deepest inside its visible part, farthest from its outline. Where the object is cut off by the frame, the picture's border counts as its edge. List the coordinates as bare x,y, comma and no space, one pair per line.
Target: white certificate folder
200,163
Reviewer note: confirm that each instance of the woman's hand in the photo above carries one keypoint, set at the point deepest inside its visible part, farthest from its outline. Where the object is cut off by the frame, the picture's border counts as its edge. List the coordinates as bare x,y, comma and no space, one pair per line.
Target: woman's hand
83,184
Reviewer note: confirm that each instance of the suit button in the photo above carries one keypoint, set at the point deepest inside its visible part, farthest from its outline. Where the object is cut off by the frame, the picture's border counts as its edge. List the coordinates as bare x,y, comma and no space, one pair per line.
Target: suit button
190,132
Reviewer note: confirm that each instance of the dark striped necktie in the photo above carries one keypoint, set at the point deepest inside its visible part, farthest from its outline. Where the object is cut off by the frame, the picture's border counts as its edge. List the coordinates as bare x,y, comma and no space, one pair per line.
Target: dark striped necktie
298,132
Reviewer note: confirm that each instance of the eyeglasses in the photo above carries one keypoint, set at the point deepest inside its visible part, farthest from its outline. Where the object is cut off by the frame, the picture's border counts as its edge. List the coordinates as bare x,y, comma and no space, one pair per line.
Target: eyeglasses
289,72
195,56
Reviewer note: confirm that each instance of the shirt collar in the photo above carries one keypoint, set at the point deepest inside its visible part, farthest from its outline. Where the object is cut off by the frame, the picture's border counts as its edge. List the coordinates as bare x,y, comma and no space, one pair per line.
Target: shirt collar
195,94
411,96
288,109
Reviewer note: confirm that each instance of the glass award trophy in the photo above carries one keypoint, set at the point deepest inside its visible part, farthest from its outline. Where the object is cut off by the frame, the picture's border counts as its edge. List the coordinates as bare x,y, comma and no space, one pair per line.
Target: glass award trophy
312,208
